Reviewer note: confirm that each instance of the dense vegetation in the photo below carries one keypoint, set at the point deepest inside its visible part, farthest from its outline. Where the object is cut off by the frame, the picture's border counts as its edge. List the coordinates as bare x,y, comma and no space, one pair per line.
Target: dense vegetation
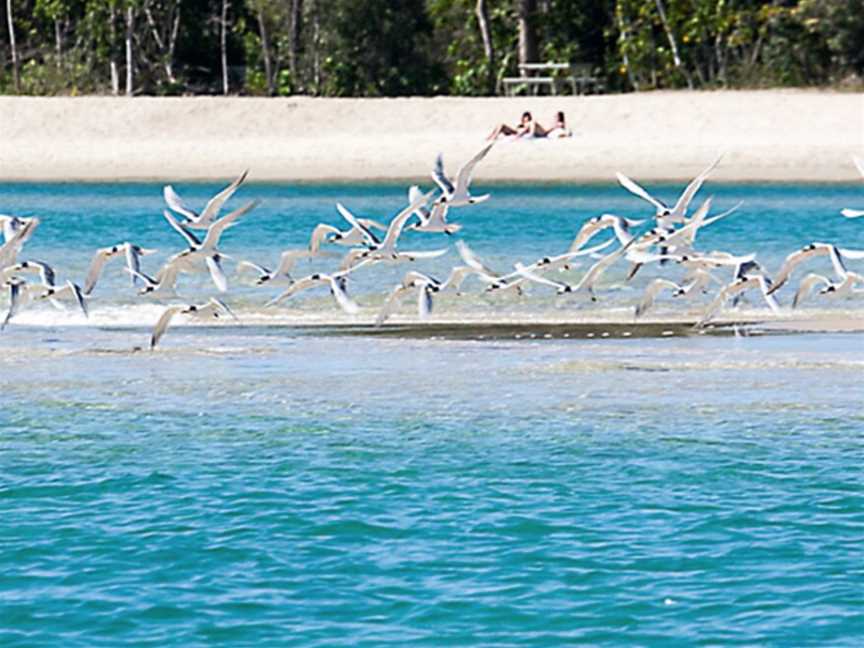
419,47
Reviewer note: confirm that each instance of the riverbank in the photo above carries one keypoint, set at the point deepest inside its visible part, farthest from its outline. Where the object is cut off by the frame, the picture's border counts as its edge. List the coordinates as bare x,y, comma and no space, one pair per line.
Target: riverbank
773,135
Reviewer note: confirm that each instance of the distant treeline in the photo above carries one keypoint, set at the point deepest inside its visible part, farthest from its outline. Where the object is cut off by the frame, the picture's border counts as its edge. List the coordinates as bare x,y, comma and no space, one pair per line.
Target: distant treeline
419,47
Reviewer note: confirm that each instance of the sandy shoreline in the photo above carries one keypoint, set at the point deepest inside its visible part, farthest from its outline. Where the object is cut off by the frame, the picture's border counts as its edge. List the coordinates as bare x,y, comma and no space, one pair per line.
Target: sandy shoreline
767,135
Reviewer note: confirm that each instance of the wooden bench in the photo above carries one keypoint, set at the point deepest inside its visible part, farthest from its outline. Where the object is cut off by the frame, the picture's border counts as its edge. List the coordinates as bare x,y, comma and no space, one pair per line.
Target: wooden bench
580,79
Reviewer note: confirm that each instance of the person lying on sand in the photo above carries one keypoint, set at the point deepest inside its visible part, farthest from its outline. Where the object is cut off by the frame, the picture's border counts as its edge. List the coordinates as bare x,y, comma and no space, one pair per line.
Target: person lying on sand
560,129
524,127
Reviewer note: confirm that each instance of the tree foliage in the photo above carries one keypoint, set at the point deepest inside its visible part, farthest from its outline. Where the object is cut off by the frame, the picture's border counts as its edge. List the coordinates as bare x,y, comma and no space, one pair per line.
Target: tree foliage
422,47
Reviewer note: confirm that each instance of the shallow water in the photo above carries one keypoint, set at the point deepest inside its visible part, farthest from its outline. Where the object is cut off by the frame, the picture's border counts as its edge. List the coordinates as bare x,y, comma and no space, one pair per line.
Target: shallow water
276,485
520,223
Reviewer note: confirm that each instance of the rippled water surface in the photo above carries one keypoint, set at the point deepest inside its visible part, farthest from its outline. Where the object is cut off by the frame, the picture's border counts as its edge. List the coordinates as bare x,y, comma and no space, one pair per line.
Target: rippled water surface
279,486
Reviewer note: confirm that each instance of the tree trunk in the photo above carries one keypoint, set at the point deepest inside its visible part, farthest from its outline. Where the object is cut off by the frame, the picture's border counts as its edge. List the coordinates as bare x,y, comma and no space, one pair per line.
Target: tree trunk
265,51
527,35
130,32
294,40
58,43
673,44
166,47
15,75
316,47
625,36
488,48
223,41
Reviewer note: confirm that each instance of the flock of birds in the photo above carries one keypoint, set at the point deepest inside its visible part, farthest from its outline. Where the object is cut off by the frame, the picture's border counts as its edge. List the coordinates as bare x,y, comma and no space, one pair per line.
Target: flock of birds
668,237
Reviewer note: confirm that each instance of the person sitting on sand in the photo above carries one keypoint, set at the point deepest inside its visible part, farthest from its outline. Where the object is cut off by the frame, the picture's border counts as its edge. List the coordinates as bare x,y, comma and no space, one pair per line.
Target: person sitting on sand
560,129
524,127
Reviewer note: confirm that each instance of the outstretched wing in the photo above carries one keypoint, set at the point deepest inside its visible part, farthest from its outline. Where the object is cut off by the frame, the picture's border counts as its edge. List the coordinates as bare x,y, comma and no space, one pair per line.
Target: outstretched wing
466,171
176,203
637,190
162,325
211,211
440,177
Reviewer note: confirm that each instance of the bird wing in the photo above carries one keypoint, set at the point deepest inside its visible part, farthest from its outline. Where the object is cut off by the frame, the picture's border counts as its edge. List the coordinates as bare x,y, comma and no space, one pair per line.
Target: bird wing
175,202
191,240
46,272
440,177
293,289
10,249
522,271
211,211
218,306
837,262
394,229
859,164
390,304
133,261
424,301
370,224
215,231
162,324
288,259
654,288
319,236
587,232
634,188
342,298
355,223
95,269
15,300
806,285
457,277
75,292
216,273
594,272
425,254
414,194
466,171
853,255
472,260
680,209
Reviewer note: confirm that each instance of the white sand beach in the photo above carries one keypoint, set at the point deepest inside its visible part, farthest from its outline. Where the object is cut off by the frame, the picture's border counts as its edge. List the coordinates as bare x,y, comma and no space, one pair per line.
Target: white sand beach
767,135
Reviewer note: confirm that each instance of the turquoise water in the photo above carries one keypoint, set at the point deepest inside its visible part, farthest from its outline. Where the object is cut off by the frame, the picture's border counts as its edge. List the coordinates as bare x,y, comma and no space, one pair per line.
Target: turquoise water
271,485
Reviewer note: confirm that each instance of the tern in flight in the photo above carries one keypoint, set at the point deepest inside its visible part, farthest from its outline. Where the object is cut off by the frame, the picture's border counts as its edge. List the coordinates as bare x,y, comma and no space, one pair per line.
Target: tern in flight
386,249
666,215
282,273
207,217
205,250
426,286
133,254
655,288
456,194
16,239
324,233
336,283
164,284
734,291
597,224
45,272
434,220
213,309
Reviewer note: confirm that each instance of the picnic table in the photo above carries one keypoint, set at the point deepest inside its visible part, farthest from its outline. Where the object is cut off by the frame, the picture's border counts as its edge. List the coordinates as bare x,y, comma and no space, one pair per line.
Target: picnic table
580,77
